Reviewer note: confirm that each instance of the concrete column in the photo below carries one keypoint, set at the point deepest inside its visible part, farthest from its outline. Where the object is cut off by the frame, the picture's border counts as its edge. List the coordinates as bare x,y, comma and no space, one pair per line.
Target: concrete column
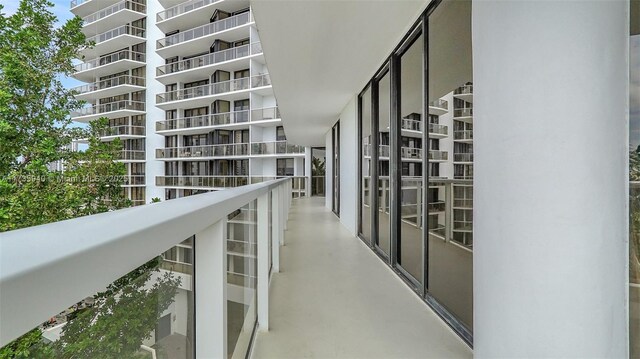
153,167
550,201
262,215
211,291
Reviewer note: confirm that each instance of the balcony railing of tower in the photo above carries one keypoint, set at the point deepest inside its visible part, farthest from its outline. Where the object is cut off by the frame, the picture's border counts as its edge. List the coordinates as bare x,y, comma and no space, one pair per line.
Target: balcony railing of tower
205,30
121,30
123,130
109,107
464,90
105,60
122,5
183,8
110,82
210,59
74,259
219,119
216,88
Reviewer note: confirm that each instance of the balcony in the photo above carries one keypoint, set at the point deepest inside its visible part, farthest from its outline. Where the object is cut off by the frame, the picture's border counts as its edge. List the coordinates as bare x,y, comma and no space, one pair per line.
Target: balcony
206,151
438,156
131,155
84,8
192,13
321,287
463,113
411,153
123,132
195,68
201,37
438,107
463,157
464,93
134,180
438,131
201,96
276,148
210,182
204,123
110,64
119,14
110,87
115,109
463,135
115,39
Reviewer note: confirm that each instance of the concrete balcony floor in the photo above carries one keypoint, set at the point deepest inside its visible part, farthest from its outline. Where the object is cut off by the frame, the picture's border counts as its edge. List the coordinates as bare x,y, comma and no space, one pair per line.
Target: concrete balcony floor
334,298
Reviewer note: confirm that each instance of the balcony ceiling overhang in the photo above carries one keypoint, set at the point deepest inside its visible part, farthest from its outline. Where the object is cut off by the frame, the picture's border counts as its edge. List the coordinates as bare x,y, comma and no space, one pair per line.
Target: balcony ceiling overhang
321,53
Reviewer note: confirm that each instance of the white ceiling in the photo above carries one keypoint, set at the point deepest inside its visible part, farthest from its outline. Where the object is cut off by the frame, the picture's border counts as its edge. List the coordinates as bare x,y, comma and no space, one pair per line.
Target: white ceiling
322,52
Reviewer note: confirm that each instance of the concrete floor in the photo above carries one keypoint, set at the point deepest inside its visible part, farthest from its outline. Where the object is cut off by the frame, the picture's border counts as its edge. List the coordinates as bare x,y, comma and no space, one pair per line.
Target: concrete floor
333,298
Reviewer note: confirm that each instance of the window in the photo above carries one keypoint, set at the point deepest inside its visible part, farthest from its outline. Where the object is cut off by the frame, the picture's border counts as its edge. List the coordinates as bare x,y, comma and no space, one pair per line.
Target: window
284,166
280,136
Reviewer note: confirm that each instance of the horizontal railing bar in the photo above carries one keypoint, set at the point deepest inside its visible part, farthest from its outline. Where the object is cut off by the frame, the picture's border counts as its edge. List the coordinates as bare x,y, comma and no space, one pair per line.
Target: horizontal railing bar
75,257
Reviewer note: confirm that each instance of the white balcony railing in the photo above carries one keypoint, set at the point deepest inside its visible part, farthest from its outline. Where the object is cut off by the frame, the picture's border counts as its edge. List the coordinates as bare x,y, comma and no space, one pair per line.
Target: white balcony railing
109,107
75,259
220,150
210,59
219,119
122,30
122,5
105,60
205,30
111,82
216,88
182,8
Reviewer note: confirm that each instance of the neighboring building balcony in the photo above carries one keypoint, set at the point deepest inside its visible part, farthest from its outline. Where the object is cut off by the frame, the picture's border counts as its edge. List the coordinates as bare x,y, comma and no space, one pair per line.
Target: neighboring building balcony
463,157
463,113
464,93
201,96
298,183
204,123
435,130
201,37
438,107
195,68
411,153
192,13
438,131
202,181
110,87
119,14
123,132
115,109
206,151
463,135
131,156
438,155
85,8
275,148
134,180
115,39
110,64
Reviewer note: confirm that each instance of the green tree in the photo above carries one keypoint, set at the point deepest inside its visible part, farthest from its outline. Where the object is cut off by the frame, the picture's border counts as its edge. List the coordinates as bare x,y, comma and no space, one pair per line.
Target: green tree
36,132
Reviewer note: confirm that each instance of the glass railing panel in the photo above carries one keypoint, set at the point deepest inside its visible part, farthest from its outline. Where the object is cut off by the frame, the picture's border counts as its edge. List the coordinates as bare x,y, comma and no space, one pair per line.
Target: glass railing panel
263,114
110,107
105,60
463,135
130,5
214,88
435,128
111,82
148,313
182,8
439,103
122,30
463,112
123,131
242,252
209,59
463,157
205,30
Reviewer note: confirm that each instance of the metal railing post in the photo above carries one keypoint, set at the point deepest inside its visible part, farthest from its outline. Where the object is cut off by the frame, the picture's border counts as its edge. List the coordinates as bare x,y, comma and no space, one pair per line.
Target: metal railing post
263,261
276,230
211,295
